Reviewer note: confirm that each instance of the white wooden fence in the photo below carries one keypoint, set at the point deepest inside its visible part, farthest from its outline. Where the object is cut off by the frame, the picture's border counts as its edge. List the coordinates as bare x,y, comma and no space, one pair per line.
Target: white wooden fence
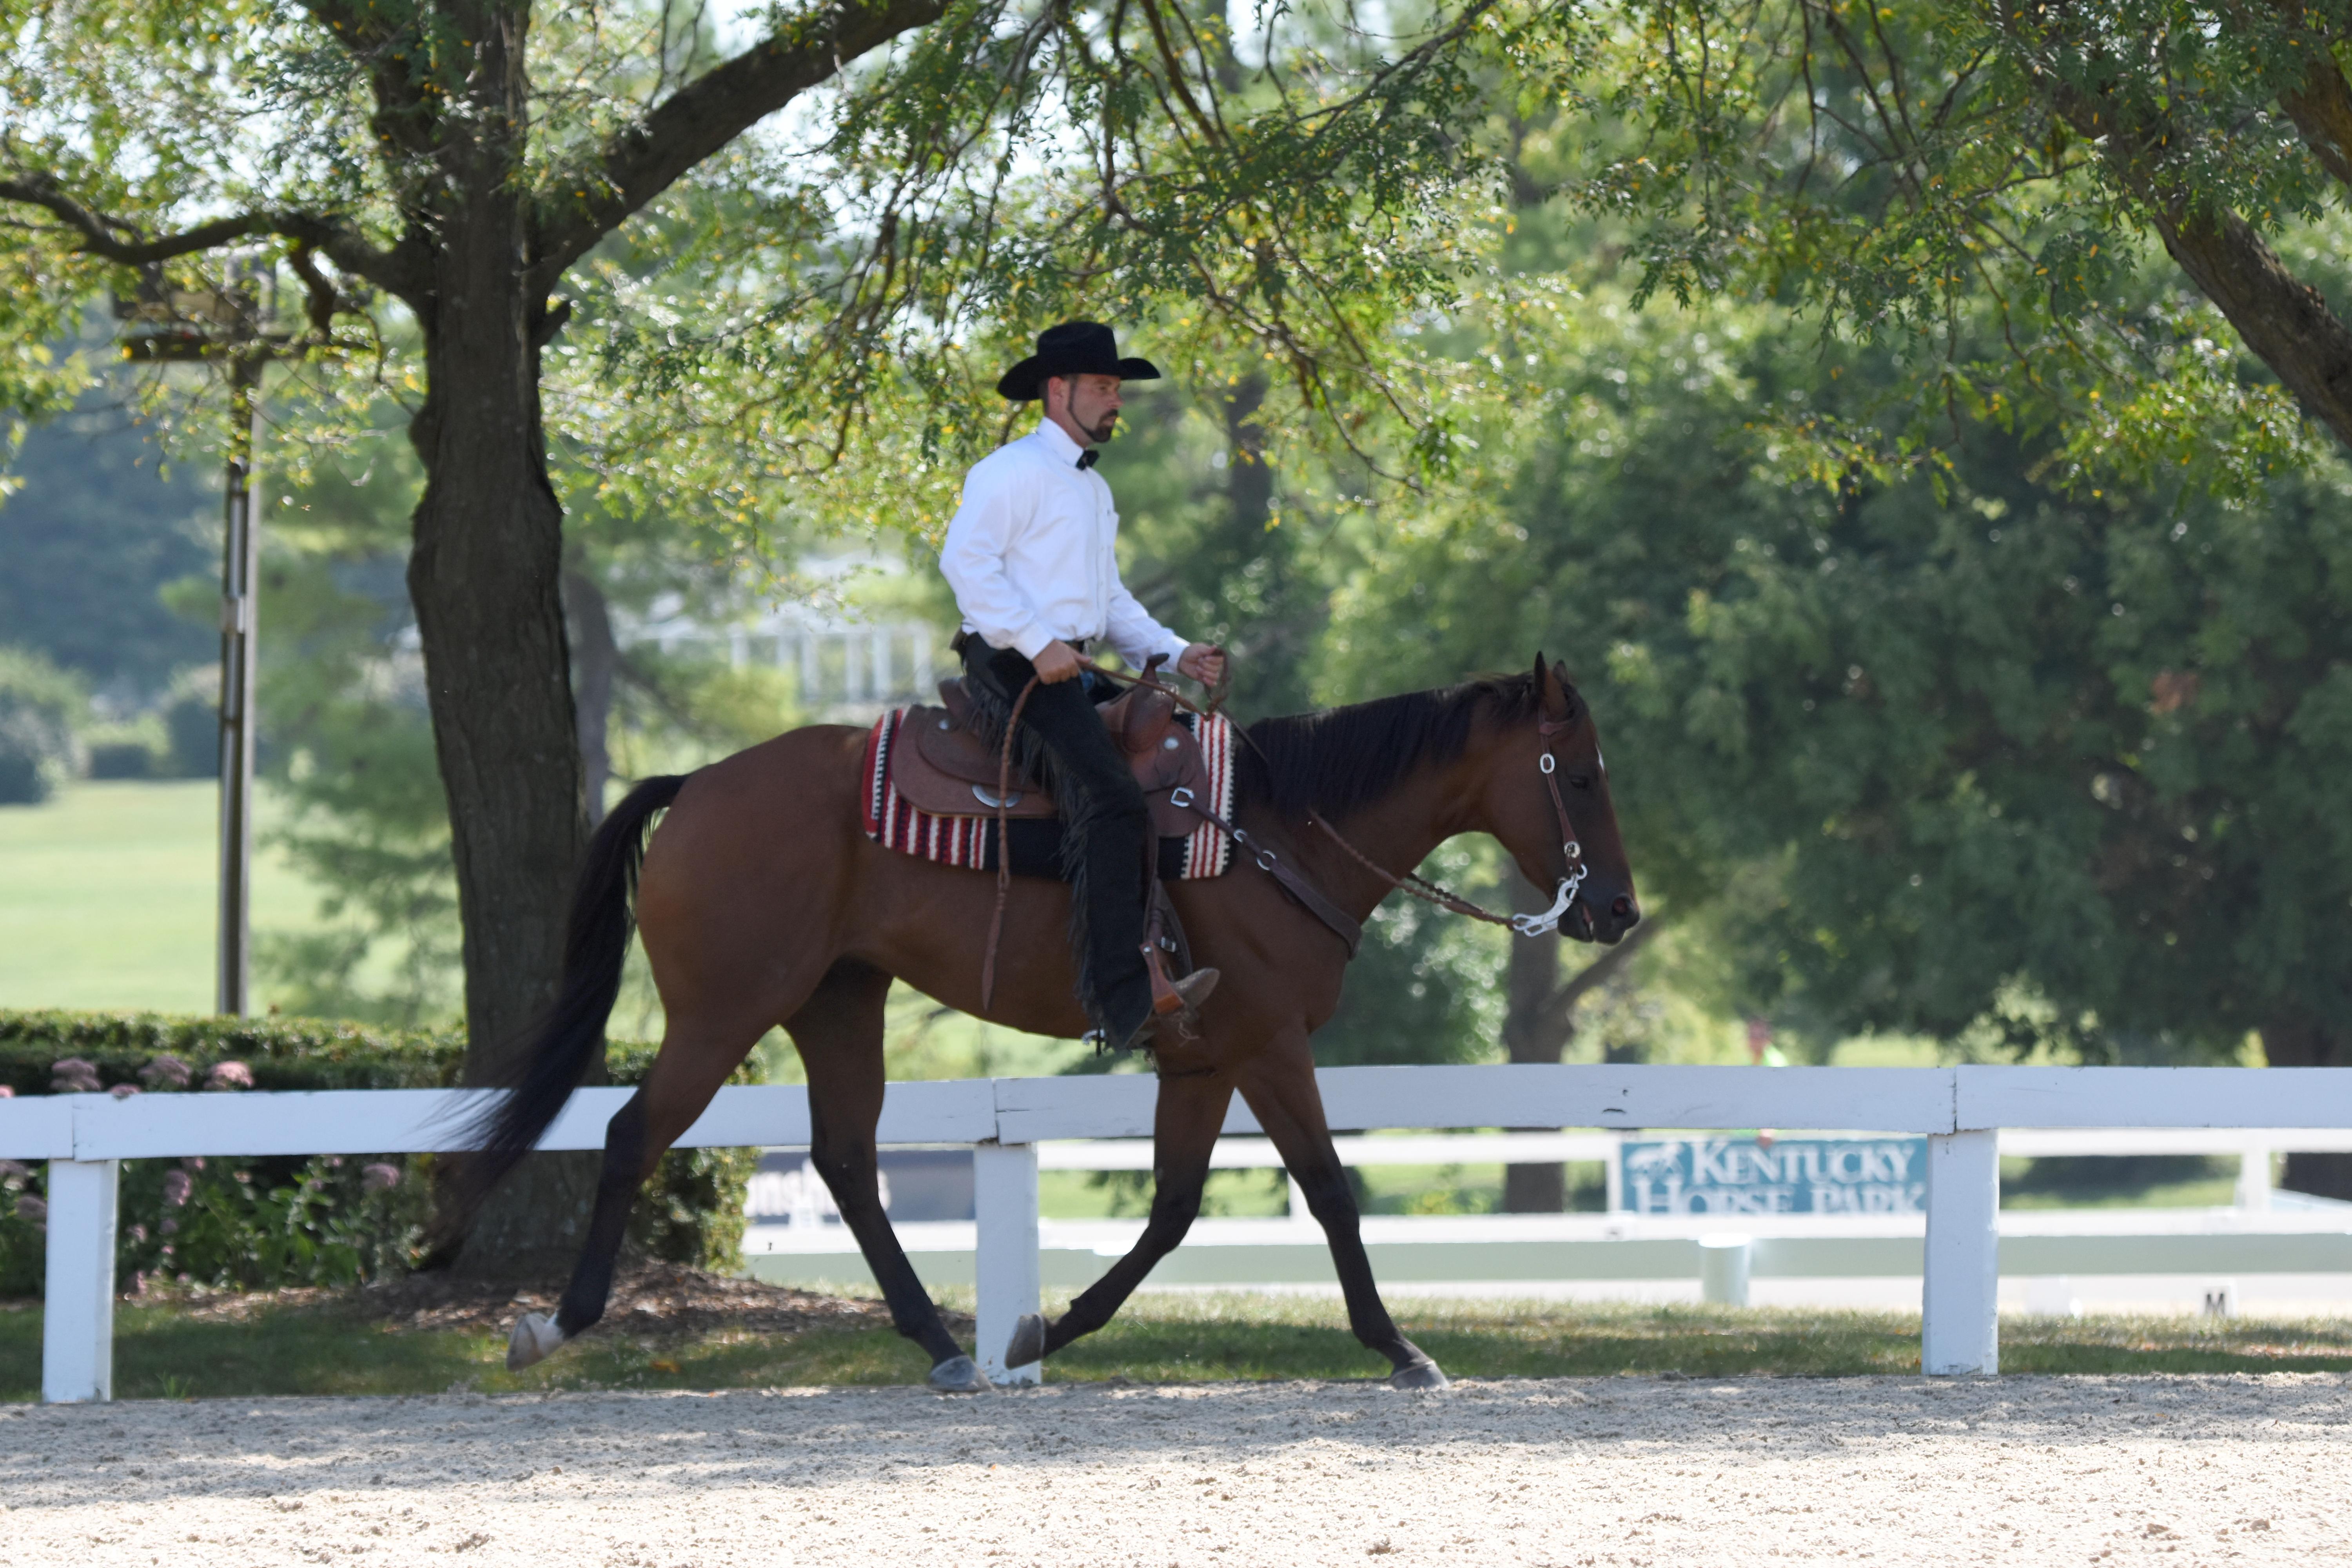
1960,1110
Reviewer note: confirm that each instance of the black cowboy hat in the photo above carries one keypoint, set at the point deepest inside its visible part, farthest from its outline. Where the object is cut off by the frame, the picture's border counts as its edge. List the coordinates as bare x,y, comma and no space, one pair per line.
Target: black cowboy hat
1073,348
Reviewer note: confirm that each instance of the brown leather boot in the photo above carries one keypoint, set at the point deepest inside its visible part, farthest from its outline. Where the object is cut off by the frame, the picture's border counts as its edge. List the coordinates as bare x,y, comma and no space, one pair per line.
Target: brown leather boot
1189,993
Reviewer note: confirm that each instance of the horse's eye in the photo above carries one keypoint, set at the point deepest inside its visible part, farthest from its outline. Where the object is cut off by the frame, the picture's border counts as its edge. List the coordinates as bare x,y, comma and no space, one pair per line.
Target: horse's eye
1579,781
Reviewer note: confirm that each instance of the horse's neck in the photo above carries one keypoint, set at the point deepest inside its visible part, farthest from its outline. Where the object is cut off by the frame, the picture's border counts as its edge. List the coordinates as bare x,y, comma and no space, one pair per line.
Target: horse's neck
1427,806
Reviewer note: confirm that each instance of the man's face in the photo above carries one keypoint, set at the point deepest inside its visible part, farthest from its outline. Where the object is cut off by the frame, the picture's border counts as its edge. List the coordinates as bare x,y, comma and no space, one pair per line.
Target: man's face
1092,402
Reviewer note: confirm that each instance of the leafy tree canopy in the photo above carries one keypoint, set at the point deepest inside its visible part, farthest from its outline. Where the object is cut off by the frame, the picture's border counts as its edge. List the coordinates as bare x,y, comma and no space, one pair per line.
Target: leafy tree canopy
1905,165
1993,754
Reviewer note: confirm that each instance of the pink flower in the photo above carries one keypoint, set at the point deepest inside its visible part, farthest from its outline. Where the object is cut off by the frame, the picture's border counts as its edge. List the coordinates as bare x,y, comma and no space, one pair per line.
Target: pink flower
193,1163
169,1228
176,1187
379,1178
229,1075
138,1233
32,1208
123,1090
73,1076
9,1168
6,1093
167,1072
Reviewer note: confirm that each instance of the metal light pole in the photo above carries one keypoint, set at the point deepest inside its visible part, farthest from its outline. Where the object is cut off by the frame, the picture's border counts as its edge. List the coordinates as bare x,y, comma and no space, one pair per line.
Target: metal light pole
240,620
215,326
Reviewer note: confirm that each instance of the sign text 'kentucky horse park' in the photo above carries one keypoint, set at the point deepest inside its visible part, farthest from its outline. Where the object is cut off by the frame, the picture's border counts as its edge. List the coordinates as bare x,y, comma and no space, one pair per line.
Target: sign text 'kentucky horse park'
1780,1175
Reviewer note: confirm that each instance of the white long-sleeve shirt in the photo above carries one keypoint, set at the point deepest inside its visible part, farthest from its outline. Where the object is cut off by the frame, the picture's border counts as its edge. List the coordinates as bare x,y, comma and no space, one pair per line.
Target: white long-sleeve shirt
1031,555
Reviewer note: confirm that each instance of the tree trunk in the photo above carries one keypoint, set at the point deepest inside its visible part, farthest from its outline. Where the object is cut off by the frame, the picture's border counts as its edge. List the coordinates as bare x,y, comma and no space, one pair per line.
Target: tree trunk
1537,1027
2302,1042
595,659
483,578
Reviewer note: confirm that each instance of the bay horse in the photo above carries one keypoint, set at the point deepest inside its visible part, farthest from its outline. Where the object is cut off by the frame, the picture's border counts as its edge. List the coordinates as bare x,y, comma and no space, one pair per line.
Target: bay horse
761,901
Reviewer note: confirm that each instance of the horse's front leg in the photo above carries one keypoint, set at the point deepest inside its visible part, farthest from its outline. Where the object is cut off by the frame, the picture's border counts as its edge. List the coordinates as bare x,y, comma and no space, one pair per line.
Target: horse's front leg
1185,1123
1279,1085
838,1033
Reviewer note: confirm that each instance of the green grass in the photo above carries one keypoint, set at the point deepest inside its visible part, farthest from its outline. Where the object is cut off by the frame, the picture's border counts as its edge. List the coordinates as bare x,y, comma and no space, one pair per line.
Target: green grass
106,896
162,1351
2219,1192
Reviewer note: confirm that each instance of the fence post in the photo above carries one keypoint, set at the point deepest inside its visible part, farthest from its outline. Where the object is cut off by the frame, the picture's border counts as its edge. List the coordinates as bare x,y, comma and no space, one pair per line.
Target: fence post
1004,1204
2254,1193
1724,1264
78,1316
1960,1323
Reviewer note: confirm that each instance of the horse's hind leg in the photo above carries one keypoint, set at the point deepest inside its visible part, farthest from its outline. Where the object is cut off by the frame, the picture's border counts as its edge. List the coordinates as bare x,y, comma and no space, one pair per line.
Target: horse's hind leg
694,1061
1185,1123
1279,1085
839,1034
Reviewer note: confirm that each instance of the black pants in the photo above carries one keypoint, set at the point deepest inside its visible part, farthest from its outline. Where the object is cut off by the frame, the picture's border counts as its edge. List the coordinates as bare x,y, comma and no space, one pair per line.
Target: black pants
1107,833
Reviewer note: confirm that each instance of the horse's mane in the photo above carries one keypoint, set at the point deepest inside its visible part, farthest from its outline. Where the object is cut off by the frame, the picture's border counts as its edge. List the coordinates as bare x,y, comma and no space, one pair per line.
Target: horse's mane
1337,760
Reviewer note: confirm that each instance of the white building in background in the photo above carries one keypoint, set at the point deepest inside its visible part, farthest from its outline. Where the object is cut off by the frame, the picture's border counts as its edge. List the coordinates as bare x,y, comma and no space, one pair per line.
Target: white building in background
847,667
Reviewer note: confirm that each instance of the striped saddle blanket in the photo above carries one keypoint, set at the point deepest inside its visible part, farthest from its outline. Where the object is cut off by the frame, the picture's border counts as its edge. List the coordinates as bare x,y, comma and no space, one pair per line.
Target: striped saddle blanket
1189,846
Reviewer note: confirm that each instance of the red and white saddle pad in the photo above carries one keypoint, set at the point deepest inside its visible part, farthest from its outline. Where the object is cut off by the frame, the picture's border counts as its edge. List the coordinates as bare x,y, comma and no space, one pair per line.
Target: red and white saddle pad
970,841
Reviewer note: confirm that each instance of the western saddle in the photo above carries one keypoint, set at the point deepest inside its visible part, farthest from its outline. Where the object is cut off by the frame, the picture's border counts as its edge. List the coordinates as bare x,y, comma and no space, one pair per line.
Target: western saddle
952,770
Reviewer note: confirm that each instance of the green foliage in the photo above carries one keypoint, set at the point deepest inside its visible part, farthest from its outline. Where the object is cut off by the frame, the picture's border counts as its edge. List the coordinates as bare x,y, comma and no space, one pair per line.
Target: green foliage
1983,755
692,1211
1911,170
263,1223
42,709
95,529
277,1053
347,737
1422,989
828,299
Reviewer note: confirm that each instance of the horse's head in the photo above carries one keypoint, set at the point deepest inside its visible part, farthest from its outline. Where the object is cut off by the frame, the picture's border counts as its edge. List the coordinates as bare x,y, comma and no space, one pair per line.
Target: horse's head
1547,782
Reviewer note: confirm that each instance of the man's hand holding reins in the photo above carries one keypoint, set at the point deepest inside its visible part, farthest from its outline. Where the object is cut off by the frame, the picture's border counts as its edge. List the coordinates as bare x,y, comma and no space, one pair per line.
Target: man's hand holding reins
1205,662
1055,662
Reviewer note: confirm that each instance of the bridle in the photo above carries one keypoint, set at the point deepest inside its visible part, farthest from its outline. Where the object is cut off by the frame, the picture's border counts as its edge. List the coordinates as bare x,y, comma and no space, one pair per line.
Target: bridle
1571,857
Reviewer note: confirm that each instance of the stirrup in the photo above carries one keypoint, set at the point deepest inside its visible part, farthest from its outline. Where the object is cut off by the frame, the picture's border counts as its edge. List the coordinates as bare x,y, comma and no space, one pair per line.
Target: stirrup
1187,993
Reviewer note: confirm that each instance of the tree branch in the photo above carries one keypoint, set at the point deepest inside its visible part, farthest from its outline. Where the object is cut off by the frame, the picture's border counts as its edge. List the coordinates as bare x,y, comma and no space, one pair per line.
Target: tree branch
2284,319
703,116
118,240
2322,110
404,117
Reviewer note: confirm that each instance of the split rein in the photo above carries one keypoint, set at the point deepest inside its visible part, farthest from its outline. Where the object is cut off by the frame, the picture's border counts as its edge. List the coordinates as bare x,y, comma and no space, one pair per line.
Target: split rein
1349,931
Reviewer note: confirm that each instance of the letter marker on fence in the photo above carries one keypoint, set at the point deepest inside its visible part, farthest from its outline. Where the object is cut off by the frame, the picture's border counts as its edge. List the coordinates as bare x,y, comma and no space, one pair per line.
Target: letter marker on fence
78,1320
1004,1205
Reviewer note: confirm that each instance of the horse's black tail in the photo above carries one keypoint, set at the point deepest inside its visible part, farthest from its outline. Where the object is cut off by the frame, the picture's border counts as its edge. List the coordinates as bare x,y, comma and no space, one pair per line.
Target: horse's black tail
571,1036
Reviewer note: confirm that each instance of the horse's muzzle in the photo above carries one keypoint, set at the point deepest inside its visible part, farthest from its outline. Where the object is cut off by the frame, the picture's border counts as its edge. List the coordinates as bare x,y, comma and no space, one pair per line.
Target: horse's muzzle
1592,921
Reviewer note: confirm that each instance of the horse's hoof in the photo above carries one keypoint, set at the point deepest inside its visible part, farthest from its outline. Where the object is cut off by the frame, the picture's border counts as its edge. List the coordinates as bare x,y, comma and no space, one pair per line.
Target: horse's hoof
534,1339
1420,1375
960,1375
1028,1341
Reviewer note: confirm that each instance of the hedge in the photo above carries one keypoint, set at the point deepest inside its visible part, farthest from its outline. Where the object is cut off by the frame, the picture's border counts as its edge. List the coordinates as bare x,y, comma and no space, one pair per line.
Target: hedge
264,1223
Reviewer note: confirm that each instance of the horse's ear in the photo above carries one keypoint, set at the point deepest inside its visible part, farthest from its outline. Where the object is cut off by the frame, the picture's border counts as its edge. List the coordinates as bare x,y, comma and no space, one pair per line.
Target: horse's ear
1560,673
1551,687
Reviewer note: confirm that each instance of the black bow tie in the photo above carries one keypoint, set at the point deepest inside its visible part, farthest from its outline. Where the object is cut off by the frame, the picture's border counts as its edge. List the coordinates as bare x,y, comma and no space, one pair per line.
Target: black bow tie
1086,458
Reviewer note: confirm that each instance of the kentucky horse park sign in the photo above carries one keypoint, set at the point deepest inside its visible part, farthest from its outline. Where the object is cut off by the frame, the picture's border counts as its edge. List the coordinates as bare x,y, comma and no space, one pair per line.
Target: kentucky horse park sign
1777,1176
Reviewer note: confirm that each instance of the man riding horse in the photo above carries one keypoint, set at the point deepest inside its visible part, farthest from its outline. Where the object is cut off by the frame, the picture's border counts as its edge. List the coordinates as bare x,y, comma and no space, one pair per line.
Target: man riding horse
774,891
1031,557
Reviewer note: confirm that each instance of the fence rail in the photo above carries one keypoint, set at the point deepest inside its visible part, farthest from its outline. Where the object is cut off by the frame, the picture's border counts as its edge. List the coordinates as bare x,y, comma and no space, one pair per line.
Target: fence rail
1960,1110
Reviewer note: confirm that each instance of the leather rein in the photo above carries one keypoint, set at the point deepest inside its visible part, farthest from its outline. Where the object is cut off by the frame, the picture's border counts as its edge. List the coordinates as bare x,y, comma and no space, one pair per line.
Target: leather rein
1428,893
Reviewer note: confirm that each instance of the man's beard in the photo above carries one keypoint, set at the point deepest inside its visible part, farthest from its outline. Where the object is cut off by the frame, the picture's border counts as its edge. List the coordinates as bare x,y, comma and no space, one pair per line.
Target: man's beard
1103,430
